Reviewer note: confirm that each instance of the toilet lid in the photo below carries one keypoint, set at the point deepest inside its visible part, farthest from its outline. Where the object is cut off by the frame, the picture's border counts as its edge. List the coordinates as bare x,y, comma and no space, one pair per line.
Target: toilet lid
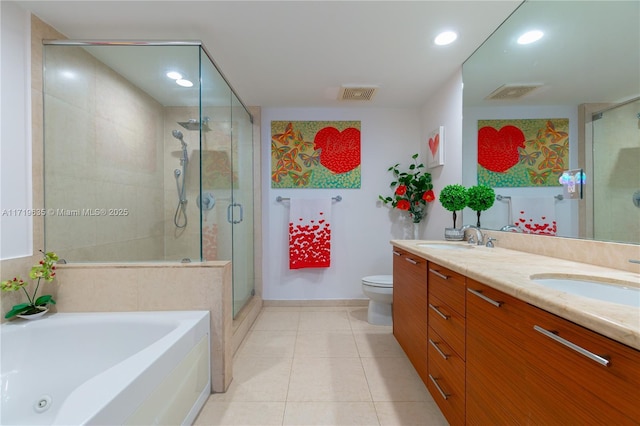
379,280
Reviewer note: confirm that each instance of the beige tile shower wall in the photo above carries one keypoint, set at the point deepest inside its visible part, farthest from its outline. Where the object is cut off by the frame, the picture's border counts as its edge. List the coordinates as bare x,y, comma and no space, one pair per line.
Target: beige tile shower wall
156,287
617,148
184,242
611,255
181,243
104,150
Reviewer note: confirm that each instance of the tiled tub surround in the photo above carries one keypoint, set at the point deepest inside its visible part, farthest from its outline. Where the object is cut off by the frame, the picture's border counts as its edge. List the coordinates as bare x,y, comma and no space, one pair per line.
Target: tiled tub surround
509,271
161,286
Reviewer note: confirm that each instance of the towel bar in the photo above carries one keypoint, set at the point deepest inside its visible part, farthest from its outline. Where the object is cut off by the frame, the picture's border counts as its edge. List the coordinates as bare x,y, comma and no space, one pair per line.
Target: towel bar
336,198
499,197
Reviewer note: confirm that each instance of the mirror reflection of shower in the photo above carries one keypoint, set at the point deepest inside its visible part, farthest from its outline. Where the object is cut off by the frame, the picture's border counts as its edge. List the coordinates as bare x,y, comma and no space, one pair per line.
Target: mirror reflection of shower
180,217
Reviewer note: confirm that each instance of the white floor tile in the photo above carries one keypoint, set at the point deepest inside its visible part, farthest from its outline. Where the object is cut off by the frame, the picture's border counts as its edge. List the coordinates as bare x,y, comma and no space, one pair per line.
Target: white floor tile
394,379
258,379
268,344
424,413
324,320
326,344
321,366
377,344
277,320
330,414
328,379
241,414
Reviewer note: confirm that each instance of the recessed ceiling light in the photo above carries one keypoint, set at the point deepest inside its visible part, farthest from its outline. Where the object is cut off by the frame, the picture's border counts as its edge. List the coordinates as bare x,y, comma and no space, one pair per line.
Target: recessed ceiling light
445,38
174,75
530,37
184,83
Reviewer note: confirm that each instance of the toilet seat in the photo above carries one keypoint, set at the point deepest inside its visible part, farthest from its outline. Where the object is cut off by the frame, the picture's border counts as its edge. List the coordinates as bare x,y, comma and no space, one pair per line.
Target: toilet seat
384,281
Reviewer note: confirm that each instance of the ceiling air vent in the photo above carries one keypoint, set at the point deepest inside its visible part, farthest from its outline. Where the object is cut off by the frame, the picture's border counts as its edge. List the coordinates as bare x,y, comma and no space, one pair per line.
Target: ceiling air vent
512,91
357,93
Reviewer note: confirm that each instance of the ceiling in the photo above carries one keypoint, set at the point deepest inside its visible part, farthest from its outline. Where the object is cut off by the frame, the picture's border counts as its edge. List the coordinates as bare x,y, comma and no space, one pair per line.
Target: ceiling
299,53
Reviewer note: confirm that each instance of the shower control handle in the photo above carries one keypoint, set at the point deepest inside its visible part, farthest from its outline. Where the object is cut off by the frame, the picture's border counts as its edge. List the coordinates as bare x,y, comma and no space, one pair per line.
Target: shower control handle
230,213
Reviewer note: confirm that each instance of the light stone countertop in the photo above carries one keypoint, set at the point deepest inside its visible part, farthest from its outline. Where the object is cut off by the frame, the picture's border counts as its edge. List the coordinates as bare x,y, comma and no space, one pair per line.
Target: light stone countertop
510,270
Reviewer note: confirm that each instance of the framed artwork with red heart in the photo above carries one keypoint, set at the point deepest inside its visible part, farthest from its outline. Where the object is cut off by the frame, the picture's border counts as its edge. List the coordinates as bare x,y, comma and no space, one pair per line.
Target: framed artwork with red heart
315,154
435,148
522,152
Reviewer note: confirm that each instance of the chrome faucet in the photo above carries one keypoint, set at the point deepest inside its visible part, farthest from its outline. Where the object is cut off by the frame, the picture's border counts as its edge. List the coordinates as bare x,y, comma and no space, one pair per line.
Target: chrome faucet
511,228
479,235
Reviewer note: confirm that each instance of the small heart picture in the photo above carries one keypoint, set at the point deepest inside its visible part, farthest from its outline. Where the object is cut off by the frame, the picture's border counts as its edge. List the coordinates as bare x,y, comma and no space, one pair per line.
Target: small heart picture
435,148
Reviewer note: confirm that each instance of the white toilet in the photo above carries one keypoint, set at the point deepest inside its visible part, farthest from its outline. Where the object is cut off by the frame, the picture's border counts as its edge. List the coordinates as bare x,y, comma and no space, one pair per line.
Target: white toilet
379,290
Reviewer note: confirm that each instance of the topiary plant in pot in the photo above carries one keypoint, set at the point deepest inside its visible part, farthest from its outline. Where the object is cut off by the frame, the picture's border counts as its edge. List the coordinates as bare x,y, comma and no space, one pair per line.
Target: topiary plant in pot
481,198
454,197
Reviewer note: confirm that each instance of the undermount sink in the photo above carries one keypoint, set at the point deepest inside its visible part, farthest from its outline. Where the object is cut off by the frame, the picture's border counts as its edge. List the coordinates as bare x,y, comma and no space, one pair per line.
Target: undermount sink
592,287
446,246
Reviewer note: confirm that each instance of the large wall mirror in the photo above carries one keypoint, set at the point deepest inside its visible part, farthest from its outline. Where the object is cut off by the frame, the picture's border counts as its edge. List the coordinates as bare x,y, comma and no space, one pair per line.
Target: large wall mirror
575,95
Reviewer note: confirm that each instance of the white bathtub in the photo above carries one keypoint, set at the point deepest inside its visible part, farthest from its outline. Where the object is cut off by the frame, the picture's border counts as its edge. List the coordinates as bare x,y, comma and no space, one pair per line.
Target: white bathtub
105,368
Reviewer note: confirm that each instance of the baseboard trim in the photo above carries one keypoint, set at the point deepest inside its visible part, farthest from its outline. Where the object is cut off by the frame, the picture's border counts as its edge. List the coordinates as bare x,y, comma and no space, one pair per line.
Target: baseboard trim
315,303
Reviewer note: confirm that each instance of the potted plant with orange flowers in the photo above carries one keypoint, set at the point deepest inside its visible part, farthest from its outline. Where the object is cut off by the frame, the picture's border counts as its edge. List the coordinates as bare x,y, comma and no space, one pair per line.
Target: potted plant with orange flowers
35,307
413,191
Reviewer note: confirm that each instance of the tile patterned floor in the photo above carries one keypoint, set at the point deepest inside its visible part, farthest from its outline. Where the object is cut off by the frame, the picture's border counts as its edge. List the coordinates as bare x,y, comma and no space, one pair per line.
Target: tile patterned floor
321,366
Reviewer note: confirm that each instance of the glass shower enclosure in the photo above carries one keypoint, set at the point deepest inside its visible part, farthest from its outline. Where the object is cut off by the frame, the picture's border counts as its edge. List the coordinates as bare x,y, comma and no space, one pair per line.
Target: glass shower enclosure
148,157
616,173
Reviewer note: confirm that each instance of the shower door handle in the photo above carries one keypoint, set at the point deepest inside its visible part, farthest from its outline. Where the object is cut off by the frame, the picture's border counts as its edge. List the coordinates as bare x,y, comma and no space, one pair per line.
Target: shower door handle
230,208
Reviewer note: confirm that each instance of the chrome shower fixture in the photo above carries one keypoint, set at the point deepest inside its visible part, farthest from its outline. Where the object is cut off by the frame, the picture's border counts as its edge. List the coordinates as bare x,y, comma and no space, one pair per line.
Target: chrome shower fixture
178,135
193,124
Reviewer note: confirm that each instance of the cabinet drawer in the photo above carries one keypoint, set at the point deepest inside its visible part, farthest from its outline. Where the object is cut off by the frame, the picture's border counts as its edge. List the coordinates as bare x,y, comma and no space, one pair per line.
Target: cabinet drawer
563,376
447,286
446,379
447,323
409,261
494,304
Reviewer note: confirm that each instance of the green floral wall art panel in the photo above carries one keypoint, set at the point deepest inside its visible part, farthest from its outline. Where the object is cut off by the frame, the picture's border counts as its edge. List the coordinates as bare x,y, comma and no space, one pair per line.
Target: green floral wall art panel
522,152
315,154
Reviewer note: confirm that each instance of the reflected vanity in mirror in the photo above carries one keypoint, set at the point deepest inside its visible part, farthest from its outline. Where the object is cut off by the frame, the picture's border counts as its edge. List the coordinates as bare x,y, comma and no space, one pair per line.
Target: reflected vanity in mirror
575,95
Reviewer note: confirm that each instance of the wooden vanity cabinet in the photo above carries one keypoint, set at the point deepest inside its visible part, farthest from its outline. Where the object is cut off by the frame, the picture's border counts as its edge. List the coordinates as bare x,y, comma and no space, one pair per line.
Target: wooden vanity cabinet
446,344
410,307
567,386
496,354
489,358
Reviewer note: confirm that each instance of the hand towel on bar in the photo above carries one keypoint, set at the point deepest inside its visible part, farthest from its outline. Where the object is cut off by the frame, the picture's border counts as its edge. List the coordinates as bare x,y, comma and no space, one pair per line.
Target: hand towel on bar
310,233
534,215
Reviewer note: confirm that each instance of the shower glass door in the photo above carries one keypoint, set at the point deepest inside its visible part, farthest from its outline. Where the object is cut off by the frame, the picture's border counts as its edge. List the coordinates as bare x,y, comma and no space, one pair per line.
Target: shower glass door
616,174
242,205
227,178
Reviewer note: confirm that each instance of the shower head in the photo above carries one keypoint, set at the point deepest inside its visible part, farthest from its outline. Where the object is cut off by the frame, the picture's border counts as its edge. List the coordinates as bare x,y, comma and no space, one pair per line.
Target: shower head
193,124
178,135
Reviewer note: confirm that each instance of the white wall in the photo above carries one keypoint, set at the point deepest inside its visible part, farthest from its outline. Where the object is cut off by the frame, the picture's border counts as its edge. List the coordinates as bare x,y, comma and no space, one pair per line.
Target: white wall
16,227
444,108
361,225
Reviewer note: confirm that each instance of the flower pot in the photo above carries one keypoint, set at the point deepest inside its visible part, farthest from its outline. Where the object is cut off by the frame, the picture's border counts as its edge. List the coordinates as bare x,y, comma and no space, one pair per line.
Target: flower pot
453,234
34,316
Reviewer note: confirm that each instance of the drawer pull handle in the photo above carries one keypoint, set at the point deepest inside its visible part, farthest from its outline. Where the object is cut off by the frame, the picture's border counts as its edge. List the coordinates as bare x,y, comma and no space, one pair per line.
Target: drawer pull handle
439,274
435,345
408,259
582,351
397,253
435,383
485,298
446,317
